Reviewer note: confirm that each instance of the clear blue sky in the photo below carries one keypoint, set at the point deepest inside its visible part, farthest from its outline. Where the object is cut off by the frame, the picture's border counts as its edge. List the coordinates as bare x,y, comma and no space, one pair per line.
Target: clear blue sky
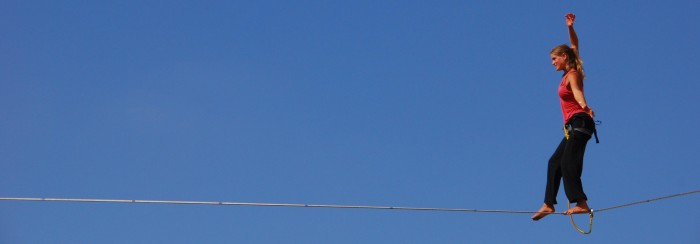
394,103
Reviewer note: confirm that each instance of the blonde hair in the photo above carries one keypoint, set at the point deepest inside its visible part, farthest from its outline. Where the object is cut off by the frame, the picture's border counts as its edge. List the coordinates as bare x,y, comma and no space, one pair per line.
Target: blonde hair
573,61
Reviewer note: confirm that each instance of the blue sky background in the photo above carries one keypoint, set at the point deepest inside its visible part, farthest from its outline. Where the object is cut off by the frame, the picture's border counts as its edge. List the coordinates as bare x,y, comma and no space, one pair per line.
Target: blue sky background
394,103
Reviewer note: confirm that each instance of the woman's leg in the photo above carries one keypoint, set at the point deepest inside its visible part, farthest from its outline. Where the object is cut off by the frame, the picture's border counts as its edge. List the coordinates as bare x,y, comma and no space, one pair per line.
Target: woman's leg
572,164
553,182
554,174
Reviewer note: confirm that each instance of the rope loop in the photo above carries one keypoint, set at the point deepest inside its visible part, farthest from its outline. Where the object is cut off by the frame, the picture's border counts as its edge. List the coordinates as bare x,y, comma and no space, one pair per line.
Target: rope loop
590,222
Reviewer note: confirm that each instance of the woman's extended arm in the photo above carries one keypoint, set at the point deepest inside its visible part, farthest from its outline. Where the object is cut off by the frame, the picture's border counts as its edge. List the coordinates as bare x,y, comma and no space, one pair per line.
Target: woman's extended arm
572,33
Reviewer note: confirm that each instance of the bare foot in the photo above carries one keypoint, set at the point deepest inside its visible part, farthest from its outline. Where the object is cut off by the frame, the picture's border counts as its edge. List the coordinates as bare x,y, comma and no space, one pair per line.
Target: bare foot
580,208
544,211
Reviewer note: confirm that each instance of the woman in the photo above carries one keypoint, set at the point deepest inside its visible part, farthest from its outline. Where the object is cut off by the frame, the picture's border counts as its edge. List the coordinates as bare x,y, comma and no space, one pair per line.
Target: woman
567,160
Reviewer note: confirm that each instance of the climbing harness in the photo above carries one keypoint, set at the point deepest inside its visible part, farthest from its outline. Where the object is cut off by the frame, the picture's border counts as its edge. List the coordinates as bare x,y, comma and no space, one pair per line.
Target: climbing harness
569,129
590,221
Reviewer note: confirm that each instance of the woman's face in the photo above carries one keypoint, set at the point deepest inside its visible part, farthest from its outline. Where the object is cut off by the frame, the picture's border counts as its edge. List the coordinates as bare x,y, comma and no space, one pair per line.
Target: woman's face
559,62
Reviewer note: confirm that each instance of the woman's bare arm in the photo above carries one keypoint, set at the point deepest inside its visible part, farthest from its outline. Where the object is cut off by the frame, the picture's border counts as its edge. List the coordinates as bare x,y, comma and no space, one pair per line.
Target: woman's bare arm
572,33
576,85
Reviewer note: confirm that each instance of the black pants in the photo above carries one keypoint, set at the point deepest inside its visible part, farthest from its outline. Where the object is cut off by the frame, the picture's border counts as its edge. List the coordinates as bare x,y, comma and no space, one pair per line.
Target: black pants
567,162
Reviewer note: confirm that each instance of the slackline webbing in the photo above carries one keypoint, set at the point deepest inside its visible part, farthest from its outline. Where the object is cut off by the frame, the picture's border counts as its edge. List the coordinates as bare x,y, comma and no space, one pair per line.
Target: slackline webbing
93,200
590,214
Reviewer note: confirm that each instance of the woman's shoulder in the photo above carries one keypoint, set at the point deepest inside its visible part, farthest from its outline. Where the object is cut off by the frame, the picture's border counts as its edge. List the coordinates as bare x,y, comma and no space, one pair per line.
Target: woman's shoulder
573,73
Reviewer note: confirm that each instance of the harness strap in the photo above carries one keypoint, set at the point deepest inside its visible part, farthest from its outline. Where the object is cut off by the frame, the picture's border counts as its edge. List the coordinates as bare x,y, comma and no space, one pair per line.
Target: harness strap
567,129
595,133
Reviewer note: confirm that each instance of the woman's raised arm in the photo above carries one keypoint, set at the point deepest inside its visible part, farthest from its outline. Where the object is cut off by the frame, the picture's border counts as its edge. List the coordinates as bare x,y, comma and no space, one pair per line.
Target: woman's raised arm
572,33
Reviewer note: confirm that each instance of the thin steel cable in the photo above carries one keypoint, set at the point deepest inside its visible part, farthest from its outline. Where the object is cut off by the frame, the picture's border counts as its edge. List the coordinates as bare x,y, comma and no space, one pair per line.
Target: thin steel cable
91,200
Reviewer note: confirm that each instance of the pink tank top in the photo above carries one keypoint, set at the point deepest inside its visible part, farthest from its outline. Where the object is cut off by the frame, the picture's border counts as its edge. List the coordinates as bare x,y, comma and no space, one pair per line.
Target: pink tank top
569,105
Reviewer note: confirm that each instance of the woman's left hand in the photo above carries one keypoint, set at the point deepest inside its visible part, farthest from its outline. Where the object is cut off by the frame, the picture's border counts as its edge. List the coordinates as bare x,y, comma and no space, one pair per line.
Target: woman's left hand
589,111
